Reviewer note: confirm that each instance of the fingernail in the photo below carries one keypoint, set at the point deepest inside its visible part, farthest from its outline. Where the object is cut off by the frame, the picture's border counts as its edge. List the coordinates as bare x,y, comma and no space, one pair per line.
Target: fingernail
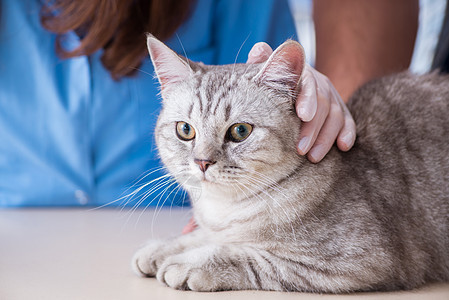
305,113
257,50
347,139
303,145
316,154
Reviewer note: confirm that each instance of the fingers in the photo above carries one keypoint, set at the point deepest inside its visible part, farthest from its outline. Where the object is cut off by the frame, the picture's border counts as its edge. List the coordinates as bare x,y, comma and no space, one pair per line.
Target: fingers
306,104
328,133
259,53
325,117
310,130
347,135
191,226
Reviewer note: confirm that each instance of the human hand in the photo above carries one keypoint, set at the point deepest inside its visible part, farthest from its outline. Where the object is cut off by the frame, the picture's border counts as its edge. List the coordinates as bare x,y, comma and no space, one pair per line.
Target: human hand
191,226
324,114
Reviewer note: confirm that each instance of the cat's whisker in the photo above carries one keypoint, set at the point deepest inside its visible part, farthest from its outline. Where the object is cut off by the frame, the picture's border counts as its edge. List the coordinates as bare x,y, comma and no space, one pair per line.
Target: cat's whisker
243,191
164,180
183,196
107,204
238,52
155,212
142,187
270,182
177,189
142,71
145,175
254,193
131,193
146,195
135,192
167,179
286,203
158,207
280,190
166,186
148,204
155,189
183,49
251,179
268,185
271,185
267,209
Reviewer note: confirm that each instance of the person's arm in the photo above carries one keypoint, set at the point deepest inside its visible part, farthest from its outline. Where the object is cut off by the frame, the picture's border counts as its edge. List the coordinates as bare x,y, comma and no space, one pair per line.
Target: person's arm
357,40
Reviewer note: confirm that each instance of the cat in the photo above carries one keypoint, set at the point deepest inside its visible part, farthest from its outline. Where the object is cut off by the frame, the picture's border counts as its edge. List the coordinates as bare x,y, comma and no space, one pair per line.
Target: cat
373,219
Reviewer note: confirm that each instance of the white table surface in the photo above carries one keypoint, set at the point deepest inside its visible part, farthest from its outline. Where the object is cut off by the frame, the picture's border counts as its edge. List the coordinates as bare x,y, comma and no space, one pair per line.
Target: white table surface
81,254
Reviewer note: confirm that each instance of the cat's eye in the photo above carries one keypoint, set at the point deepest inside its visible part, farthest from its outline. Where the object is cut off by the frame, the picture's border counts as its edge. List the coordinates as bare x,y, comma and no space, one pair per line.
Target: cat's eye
185,131
239,132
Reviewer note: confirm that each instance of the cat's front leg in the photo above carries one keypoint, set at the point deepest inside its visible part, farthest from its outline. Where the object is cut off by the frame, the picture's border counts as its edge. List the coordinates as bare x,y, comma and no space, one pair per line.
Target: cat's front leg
218,267
149,258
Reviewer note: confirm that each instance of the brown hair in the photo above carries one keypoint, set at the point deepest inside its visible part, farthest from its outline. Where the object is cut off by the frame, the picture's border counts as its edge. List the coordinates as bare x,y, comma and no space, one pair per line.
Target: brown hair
117,26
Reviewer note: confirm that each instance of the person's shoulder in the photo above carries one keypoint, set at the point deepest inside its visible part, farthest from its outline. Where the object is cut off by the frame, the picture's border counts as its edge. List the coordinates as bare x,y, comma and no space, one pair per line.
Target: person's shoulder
19,10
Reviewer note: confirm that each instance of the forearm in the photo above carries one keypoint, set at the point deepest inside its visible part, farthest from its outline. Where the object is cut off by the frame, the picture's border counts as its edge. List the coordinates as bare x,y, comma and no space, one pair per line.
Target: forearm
358,40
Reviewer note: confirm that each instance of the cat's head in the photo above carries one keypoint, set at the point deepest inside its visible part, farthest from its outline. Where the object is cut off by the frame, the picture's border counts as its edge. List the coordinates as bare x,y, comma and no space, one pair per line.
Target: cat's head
232,128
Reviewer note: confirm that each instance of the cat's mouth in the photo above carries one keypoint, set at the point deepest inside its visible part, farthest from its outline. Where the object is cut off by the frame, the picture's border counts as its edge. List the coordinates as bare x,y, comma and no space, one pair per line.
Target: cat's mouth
206,179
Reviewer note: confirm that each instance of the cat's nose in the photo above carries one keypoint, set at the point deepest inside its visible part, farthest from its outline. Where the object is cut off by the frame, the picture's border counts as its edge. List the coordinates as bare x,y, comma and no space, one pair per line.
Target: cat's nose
204,163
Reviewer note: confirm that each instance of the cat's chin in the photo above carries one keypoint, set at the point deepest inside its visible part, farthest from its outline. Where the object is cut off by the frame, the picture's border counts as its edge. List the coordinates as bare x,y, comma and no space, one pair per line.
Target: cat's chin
203,182
207,181
211,184
207,187
214,185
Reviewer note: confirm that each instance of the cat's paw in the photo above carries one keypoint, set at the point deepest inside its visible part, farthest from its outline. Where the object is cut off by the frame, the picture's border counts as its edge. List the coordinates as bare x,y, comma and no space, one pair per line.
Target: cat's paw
193,270
146,261
184,276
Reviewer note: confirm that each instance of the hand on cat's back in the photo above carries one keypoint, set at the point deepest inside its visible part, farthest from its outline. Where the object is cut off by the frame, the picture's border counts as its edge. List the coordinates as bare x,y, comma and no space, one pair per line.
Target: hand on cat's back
325,117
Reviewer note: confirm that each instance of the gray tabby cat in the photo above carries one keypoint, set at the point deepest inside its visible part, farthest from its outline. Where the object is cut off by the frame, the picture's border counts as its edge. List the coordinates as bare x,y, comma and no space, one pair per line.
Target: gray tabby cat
375,218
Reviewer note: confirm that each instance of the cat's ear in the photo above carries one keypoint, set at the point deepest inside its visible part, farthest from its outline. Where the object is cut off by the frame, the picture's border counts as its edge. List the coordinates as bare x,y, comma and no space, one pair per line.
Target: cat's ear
170,68
283,69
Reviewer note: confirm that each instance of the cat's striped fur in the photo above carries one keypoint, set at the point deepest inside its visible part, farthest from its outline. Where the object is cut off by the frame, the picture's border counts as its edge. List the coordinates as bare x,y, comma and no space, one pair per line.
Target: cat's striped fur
375,218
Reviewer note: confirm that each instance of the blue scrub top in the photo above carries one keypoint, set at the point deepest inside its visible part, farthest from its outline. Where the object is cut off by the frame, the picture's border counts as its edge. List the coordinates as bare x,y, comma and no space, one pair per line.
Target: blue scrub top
70,135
